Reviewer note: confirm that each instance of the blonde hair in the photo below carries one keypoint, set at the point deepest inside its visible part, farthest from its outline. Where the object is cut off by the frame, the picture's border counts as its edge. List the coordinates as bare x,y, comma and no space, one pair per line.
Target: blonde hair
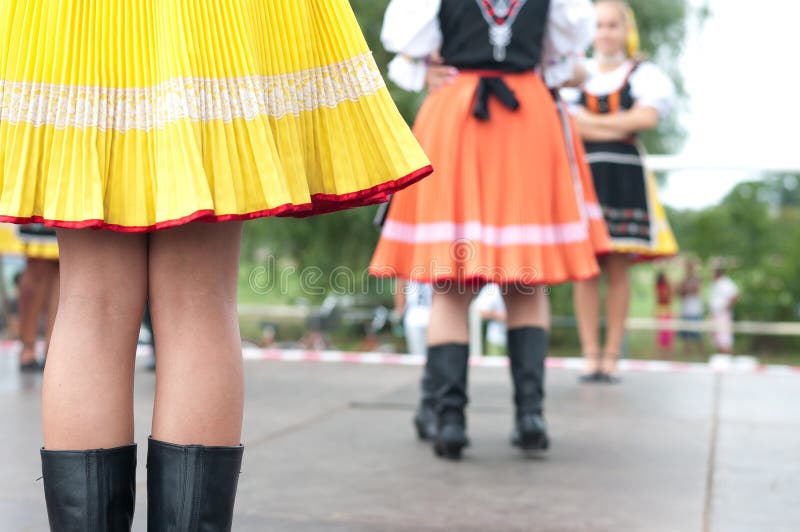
633,41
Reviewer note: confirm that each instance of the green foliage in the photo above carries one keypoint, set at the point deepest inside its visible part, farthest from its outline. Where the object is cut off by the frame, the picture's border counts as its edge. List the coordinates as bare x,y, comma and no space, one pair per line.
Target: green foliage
662,27
370,17
334,244
755,233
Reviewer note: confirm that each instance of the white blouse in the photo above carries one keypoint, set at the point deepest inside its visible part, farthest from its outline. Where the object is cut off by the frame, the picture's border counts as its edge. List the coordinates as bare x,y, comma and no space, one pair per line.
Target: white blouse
650,86
411,30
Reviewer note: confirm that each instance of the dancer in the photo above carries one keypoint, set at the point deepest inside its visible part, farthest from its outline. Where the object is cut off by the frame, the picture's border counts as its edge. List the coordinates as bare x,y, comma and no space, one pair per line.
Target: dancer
623,97
140,120
10,246
38,291
503,205
37,287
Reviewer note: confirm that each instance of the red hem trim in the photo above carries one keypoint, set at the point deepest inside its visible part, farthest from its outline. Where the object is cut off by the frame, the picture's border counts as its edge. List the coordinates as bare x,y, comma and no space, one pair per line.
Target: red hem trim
320,204
640,258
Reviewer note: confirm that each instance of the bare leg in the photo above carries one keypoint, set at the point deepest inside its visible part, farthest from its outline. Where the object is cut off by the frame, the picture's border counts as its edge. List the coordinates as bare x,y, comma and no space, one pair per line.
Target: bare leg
87,394
51,301
449,308
32,300
199,375
617,267
527,307
586,297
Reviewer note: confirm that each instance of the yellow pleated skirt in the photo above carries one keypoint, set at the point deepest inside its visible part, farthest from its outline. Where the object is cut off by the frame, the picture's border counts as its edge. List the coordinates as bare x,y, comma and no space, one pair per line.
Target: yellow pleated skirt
136,115
664,245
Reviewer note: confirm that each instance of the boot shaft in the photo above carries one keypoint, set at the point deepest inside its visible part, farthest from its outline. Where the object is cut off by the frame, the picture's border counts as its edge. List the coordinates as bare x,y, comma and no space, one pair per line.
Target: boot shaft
427,386
90,491
527,350
447,368
191,488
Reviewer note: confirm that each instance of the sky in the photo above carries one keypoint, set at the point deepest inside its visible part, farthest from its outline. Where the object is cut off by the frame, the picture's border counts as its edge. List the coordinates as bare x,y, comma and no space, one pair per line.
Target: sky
744,89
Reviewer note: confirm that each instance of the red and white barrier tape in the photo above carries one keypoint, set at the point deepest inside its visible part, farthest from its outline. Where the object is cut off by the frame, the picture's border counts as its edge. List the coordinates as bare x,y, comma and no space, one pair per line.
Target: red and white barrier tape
718,363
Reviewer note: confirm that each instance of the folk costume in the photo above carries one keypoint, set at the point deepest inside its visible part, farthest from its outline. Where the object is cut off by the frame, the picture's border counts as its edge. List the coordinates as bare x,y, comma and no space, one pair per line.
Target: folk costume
504,204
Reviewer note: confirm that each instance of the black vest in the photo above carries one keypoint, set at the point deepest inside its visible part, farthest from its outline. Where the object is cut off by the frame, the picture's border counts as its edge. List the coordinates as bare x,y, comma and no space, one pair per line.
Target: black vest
613,102
466,42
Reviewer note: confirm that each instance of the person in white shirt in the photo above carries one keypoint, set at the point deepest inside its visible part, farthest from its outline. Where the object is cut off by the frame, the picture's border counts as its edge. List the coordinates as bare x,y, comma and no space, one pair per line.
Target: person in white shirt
493,310
413,303
723,297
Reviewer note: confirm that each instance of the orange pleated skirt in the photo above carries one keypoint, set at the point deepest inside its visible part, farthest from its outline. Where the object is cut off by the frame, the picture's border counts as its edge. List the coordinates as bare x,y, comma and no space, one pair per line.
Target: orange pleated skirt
504,204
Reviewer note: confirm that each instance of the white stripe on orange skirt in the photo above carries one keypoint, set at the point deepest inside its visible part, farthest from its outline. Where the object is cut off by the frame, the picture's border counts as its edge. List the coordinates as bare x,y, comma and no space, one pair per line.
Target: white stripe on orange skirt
490,235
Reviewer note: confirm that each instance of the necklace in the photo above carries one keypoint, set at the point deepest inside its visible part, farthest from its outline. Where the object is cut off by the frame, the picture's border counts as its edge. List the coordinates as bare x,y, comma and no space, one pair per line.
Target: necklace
611,60
500,15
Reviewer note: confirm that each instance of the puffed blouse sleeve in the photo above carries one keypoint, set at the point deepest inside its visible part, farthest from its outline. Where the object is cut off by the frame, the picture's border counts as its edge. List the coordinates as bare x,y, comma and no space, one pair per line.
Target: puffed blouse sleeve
570,30
411,30
651,87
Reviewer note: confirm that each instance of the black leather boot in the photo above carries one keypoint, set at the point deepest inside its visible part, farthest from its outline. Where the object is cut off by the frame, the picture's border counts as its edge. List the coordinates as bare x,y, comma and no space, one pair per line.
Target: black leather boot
425,418
90,491
191,488
448,364
527,349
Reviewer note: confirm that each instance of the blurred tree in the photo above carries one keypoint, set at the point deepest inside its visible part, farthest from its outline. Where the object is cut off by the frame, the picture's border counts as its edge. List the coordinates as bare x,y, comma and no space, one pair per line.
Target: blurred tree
370,17
663,26
755,233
